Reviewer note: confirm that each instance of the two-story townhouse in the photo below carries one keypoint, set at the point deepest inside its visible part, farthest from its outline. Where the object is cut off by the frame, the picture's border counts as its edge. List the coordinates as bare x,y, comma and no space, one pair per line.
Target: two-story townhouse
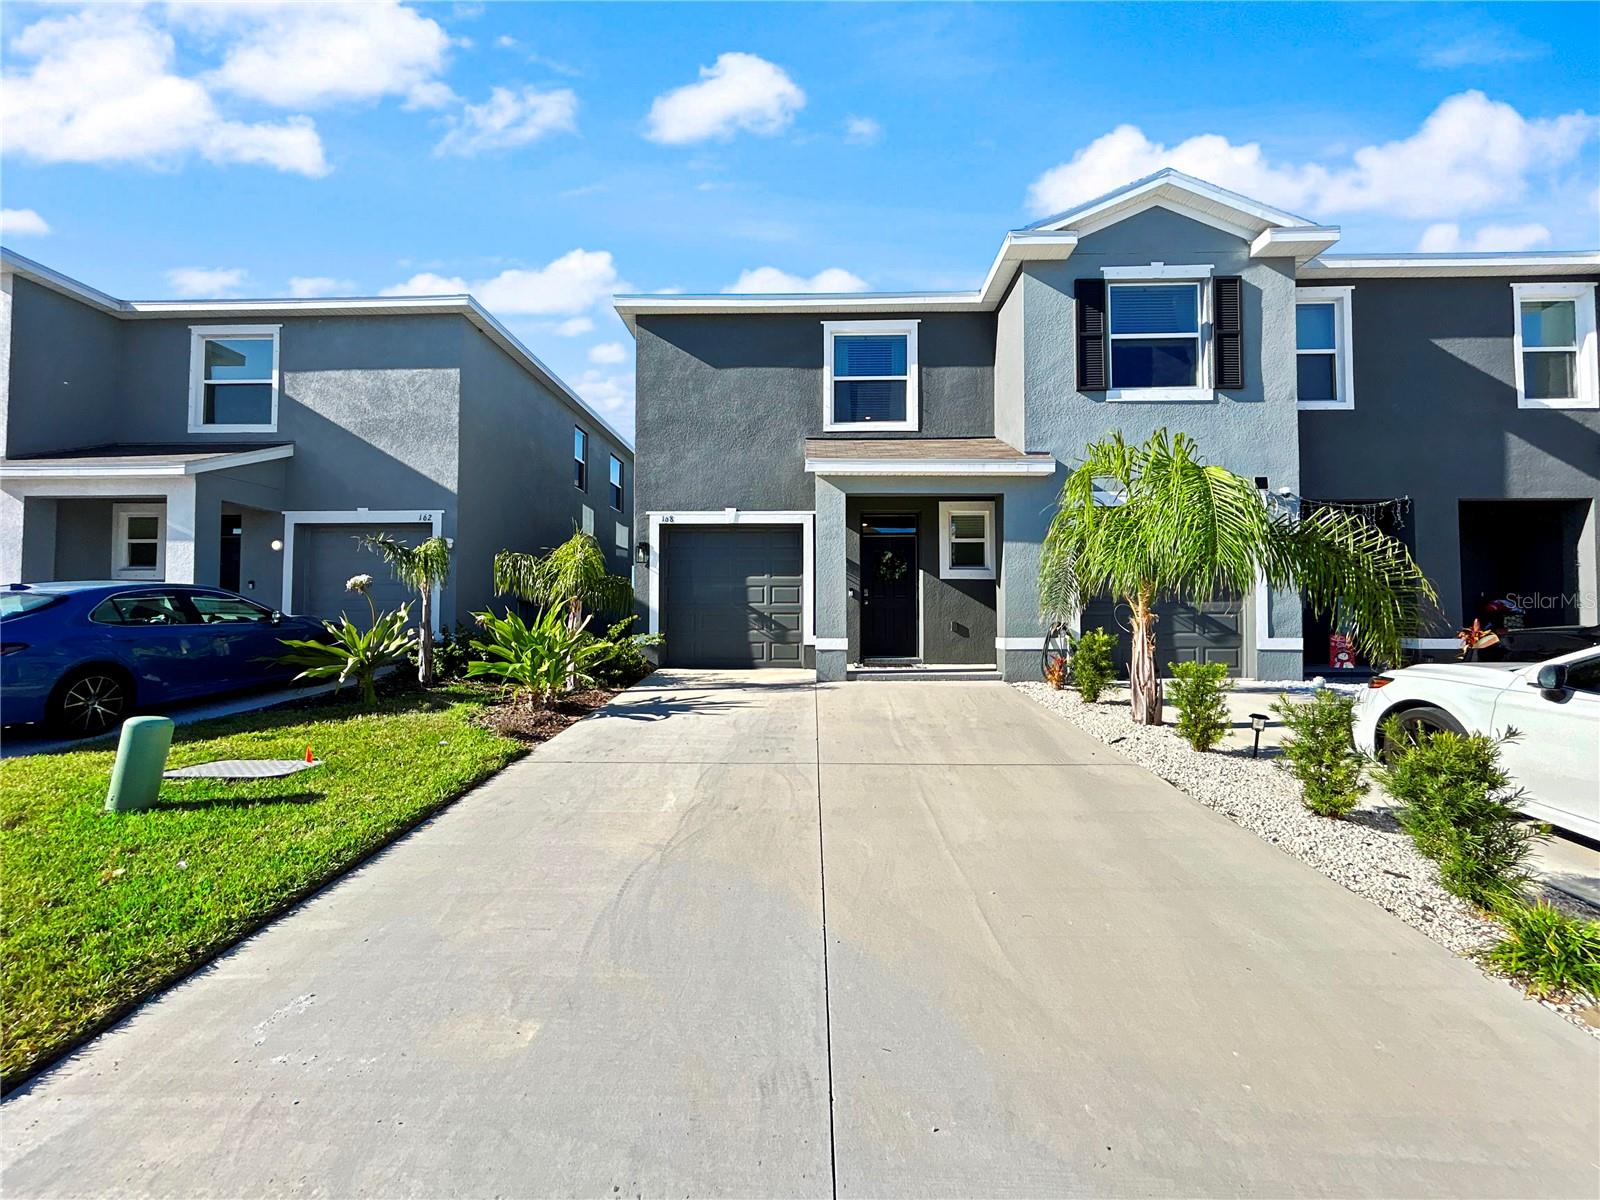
847,482
248,444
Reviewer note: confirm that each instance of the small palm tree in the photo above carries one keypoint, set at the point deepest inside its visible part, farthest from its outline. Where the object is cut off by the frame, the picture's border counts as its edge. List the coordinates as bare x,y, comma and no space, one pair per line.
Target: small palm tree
1179,526
421,568
573,576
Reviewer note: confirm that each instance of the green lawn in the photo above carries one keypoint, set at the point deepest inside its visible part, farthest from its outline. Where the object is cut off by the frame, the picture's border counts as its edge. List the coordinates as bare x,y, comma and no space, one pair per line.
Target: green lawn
101,909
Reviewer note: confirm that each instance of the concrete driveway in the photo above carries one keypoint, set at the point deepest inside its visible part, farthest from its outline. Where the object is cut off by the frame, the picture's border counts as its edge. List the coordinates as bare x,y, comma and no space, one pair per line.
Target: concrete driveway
1046,973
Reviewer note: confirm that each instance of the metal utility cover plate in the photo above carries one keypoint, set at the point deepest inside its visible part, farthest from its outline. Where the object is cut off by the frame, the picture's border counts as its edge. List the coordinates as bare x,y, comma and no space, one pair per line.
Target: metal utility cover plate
242,768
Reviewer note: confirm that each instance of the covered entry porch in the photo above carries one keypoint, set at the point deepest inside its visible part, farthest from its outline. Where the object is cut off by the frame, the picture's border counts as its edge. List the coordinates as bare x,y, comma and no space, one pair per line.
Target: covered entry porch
927,554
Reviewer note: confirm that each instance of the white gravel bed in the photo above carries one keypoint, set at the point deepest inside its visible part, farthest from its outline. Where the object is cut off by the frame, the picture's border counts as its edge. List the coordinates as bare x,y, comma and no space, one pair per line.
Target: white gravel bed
1366,852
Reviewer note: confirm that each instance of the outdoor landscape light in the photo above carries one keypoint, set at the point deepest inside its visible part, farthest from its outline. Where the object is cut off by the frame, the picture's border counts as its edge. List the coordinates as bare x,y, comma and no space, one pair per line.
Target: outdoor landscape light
1258,722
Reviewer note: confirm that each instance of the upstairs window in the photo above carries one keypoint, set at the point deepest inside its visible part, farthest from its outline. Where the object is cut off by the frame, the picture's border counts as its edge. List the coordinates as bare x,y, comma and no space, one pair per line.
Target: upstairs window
1555,345
1323,377
233,379
870,375
1155,335
616,483
580,459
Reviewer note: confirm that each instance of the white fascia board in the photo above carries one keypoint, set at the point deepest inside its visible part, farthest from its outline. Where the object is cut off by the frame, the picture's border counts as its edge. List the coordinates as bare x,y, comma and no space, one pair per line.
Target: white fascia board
1174,186
1301,242
1380,266
929,466
149,468
243,458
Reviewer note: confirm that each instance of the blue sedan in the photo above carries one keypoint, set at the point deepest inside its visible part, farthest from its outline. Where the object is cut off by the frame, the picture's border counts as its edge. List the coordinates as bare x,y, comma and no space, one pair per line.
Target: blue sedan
82,656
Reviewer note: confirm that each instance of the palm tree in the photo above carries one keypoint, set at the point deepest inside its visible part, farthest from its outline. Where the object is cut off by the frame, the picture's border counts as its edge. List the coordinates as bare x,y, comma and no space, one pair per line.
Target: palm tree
421,568
1177,526
573,575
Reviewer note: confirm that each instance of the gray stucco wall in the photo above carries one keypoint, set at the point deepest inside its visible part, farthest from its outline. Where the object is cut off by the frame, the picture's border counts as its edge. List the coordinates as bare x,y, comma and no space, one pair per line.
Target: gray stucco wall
1253,431
1436,419
64,373
83,539
517,489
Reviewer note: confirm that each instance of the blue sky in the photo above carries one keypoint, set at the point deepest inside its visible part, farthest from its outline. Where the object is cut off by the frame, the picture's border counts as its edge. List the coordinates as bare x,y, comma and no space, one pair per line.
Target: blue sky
548,155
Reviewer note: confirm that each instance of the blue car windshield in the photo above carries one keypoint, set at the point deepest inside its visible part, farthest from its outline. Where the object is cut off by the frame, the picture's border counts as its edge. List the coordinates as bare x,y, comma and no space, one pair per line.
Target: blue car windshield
14,604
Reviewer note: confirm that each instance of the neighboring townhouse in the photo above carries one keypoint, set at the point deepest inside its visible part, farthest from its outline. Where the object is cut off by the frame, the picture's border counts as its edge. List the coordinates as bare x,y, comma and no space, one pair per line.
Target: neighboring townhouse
850,481
249,443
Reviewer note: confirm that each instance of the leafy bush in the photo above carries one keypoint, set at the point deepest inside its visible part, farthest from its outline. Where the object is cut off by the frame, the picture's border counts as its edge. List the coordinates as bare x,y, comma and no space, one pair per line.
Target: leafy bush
452,651
1459,807
541,661
354,654
1551,952
1196,692
1092,669
627,663
1056,670
1321,751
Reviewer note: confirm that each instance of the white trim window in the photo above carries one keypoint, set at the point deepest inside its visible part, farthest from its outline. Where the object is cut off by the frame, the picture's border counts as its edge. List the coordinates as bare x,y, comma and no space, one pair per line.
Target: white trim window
615,477
869,375
1555,345
233,378
966,539
1156,335
1324,375
580,459
138,541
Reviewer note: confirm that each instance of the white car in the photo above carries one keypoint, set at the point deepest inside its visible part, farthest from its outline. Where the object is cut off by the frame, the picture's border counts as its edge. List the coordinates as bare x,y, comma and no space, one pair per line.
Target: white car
1554,706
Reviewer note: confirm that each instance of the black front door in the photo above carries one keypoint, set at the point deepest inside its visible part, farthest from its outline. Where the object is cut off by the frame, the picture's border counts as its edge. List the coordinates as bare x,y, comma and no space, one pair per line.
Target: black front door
888,594
232,544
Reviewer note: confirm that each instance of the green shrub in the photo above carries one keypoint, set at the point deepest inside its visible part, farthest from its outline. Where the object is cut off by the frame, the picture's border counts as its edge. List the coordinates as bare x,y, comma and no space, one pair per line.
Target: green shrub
1550,952
353,654
1321,752
1092,668
452,651
541,661
1196,691
1459,806
628,662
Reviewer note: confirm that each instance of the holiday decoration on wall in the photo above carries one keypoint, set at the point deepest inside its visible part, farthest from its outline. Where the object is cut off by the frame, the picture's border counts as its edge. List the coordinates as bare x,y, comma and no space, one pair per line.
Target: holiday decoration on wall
891,566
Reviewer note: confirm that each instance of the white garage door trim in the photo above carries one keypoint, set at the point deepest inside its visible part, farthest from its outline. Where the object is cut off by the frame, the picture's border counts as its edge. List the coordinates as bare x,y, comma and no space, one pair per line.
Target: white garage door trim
433,517
736,516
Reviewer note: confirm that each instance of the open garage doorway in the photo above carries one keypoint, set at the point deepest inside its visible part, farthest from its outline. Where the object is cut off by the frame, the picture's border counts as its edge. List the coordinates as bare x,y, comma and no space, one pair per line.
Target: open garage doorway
1529,551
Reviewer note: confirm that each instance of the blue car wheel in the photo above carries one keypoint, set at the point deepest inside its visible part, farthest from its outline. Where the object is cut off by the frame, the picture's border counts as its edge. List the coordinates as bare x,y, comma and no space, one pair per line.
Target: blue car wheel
90,701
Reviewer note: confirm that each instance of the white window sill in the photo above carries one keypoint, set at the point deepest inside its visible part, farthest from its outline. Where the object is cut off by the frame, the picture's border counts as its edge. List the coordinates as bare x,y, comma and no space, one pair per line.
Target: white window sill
1195,395
193,428
967,573
1325,406
1583,402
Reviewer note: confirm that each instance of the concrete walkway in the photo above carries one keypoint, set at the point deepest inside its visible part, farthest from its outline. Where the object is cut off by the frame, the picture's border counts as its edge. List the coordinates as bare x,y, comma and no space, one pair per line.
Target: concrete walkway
1046,973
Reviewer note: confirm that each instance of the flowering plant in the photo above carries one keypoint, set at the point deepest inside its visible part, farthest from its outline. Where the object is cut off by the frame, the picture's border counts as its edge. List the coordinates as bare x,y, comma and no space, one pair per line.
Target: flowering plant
1055,671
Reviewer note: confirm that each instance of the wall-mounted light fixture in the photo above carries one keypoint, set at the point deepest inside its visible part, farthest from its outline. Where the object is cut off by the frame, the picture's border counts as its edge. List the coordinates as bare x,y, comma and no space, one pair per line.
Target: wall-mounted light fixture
641,554
276,543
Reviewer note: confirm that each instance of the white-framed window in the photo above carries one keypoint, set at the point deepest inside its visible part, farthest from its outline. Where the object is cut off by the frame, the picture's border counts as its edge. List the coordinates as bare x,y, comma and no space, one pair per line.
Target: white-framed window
869,375
966,539
616,483
1324,375
138,541
1156,334
1555,345
233,378
580,459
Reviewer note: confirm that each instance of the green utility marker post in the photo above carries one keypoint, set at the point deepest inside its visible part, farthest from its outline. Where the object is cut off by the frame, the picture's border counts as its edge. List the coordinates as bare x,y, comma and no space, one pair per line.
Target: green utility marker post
141,757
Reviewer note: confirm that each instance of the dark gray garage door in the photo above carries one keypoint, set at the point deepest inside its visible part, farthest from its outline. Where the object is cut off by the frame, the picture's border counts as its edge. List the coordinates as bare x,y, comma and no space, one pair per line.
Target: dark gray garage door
1208,632
733,596
326,556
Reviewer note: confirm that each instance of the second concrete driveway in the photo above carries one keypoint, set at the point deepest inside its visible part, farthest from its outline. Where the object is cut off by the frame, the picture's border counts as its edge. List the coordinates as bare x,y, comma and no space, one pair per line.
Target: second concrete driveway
746,936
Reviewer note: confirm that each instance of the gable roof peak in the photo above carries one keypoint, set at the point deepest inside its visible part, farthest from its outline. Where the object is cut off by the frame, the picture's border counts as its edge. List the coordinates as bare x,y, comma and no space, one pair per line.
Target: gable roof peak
1171,188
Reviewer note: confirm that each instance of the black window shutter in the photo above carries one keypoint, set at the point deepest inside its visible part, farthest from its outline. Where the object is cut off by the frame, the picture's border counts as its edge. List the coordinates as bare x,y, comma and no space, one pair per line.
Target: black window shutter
1227,331
1090,295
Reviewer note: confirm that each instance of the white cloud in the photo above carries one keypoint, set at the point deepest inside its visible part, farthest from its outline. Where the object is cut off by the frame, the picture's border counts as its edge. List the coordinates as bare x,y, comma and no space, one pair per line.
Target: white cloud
306,286
1445,237
101,89
206,283
1470,154
862,131
771,279
610,394
22,222
1473,41
509,118
608,352
311,55
575,327
738,92
505,41
567,286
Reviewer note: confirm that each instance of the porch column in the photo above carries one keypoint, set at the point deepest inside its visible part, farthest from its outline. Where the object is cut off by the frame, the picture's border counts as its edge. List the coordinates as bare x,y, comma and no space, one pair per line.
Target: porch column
181,532
1028,506
833,646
